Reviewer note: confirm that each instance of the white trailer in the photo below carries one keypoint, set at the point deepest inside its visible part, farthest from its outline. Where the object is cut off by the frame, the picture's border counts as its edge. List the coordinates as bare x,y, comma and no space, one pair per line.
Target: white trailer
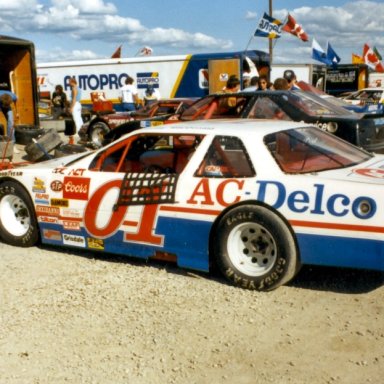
174,76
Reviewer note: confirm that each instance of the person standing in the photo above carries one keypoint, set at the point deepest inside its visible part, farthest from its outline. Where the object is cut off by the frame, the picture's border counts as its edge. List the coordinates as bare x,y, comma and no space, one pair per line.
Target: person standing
59,101
75,108
232,85
290,76
129,95
263,83
151,94
253,84
7,98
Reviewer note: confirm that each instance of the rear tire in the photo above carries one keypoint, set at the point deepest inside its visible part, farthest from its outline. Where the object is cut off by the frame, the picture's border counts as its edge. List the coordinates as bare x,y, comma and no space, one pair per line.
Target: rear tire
255,249
97,132
18,223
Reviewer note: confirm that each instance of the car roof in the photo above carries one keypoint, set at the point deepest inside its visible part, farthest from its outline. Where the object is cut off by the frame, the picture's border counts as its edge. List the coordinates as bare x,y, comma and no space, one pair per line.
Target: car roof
238,127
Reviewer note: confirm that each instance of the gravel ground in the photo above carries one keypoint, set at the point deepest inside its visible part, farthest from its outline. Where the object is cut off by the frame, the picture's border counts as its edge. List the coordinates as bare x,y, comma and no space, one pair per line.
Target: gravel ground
70,317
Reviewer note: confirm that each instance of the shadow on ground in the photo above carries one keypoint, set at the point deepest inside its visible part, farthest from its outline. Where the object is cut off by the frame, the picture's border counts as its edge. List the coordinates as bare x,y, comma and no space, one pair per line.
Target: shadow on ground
339,280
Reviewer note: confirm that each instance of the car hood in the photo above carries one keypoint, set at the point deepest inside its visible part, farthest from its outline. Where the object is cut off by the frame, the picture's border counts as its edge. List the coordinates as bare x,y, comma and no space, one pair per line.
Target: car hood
368,172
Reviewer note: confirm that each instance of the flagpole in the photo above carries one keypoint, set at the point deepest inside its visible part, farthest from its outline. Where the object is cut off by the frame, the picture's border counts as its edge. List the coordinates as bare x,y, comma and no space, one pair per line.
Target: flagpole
270,40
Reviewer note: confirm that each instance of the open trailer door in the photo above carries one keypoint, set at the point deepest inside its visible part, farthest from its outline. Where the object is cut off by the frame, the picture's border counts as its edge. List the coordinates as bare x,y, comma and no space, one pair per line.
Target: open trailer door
219,72
18,75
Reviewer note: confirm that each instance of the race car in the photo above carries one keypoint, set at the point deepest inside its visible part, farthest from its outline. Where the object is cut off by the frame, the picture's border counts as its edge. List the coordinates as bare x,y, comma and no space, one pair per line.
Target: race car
257,198
366,96
94,130
366,131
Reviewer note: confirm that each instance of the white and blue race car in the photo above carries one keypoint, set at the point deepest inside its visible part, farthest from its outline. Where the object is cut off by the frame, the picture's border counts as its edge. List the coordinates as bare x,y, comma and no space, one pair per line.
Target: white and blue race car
258,198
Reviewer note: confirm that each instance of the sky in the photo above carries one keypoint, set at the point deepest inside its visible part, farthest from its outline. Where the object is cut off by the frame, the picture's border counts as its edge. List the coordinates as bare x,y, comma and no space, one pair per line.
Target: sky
65,30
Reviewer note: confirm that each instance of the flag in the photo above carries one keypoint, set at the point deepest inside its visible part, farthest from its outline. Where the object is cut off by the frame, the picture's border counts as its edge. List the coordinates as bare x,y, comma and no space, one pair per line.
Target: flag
371,59
332,56
356,59
295,29
319,54
117,53
377,53
268,27
146,51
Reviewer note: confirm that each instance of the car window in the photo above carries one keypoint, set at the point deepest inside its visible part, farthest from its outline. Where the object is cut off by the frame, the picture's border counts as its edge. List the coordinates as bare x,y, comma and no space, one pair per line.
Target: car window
148,153
226,157
314,105
216,107
266,108
310,149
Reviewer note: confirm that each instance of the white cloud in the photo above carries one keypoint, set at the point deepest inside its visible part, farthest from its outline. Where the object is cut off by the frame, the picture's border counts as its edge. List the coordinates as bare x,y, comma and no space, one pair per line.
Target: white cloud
86,6
250,15
95,20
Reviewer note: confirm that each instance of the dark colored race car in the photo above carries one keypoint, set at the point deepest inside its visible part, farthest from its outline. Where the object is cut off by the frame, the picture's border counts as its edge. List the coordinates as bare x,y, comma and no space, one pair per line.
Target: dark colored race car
93,131
363,130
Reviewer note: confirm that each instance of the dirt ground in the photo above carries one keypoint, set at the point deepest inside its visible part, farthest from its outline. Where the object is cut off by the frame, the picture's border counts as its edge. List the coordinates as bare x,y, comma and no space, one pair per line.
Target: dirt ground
71,317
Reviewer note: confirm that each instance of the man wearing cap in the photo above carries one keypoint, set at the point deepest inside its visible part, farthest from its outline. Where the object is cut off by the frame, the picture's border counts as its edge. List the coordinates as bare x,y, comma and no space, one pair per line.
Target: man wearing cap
290,76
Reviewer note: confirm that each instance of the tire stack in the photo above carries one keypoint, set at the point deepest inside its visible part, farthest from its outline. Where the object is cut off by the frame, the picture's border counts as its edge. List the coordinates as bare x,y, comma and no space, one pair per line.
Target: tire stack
25,133
39,149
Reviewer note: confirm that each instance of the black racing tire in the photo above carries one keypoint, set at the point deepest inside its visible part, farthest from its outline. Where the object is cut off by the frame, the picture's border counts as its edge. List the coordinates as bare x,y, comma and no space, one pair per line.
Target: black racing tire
18,223
254,248
68,149
24,133
97,131
44,144
6,148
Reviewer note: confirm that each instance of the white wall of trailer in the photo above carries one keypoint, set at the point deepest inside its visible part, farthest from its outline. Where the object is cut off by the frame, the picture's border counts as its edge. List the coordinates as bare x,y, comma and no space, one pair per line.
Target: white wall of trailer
109,75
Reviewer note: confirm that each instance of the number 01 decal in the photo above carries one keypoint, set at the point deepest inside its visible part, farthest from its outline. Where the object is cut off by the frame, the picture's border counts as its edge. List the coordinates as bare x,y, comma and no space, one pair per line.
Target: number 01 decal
146,226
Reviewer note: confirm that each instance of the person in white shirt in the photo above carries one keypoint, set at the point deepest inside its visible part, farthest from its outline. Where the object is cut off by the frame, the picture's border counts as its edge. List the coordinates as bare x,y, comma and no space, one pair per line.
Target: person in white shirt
129,95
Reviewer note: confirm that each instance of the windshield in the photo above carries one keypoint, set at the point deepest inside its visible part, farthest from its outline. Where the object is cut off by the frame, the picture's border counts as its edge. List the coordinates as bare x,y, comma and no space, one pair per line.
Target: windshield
310,149
314,105
373,95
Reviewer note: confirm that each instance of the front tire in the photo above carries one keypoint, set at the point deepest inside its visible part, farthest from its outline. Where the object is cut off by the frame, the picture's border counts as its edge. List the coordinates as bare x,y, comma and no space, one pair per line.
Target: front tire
18,223
254,248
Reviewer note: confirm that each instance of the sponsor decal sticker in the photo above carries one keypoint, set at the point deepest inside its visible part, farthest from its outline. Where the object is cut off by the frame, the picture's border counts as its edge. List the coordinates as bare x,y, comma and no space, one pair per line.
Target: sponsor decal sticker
38,185
71,225
51,234
73,240
95,243
56,186
369,172
71,213
42,198
47,211
60,203
76,188
47,219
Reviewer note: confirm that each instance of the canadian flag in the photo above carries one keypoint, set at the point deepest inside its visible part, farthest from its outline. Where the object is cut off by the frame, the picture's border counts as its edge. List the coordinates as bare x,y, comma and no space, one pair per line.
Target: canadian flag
146,51
371,59
295,29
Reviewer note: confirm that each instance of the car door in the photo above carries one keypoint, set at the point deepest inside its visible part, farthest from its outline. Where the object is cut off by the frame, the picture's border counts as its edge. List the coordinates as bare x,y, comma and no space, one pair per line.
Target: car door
131,181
